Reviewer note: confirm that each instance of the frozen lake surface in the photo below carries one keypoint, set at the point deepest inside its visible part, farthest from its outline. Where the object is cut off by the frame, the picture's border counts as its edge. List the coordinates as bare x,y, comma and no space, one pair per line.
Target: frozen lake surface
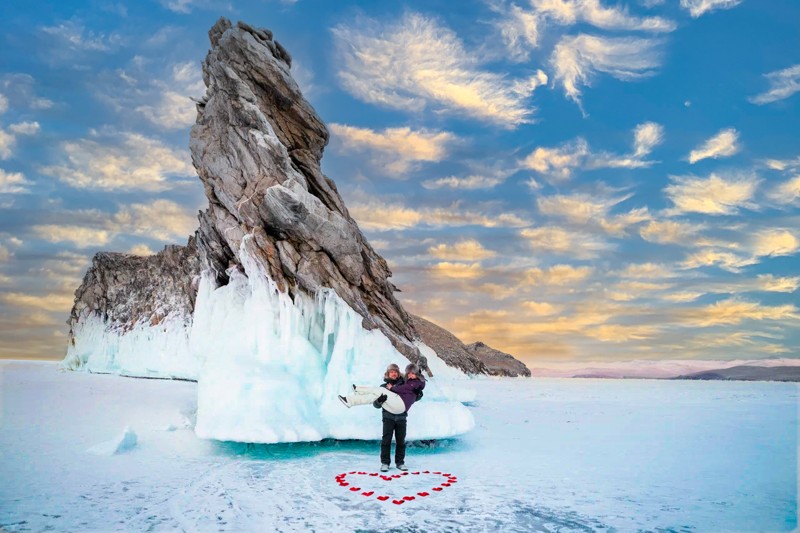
545,455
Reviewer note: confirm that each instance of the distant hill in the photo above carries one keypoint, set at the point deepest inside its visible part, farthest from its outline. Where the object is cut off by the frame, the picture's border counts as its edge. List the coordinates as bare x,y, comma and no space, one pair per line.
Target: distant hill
499,363
748,373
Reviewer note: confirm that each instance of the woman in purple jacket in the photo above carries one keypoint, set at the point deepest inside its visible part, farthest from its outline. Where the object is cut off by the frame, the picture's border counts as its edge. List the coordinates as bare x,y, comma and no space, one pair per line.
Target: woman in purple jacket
396,400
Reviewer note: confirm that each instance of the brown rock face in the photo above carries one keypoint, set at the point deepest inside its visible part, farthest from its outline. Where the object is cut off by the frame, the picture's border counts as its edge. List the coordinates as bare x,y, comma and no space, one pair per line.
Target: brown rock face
257,146
447,346
498,363
125,289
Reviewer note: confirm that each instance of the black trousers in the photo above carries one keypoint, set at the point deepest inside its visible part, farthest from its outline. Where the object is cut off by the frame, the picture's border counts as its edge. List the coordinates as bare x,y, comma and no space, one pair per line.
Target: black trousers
398,427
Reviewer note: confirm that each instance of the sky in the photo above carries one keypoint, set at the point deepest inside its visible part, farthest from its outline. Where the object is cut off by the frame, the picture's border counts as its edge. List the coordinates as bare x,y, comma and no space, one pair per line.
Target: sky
564,180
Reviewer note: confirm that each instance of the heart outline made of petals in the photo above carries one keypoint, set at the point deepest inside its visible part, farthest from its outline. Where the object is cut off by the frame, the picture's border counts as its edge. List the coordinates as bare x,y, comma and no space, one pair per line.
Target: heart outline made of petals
353,485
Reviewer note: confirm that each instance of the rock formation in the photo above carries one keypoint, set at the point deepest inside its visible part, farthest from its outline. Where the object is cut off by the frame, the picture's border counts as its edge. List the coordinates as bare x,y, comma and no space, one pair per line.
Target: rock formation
257,147
498,363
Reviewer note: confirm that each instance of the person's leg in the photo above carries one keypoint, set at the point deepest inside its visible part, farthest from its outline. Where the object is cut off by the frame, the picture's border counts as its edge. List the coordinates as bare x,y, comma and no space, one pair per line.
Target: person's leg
394,403
386,441
364,395
400,444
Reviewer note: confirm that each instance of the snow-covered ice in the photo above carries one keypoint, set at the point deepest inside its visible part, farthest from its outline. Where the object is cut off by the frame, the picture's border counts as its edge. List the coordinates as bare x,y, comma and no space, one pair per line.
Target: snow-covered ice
546,455
126,441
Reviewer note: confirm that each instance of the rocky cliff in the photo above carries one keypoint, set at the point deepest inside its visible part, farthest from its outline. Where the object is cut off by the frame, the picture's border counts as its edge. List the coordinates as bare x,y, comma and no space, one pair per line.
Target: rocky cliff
257,146
497,363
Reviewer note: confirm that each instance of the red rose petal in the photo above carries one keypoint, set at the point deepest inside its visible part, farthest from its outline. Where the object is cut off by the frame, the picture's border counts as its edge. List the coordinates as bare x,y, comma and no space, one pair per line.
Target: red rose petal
361,473
383,498
355,489
353,472
423,494
445,484
426,472
404,474
437,489
395,476
374,474
408,498
415,473
446,475
344,483
370,493
398,502
437,472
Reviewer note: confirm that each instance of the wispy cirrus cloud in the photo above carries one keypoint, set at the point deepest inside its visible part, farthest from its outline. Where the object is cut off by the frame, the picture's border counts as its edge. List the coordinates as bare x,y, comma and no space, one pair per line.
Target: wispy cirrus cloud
560,162
585,209
670,232
173,107
460,271
121,161
396,150
13,183
377,215
466,250
570,12
72,34
8,137
787,192
162,220
723,144
782,84
415,63
577,59
580,245
697,8
714,195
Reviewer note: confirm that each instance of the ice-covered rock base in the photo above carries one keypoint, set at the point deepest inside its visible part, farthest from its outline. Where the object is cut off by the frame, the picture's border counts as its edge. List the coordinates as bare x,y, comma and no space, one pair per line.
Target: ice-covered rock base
272,366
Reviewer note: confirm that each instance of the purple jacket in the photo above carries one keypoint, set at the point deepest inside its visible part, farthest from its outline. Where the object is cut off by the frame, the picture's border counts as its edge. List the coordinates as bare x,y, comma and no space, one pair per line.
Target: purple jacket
408,391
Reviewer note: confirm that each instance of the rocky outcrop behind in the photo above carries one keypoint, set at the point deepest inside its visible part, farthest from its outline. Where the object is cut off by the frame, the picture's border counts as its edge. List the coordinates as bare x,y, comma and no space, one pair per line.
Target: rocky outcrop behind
447,346
498,363
125,290
476,358
257,146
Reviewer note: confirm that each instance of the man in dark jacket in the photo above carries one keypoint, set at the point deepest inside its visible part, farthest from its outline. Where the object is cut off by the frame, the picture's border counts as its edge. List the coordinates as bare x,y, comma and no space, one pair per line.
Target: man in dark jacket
409,390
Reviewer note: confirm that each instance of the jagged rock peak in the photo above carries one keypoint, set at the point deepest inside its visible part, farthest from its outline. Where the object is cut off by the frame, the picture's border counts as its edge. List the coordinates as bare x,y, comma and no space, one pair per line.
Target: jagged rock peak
257,146
448,347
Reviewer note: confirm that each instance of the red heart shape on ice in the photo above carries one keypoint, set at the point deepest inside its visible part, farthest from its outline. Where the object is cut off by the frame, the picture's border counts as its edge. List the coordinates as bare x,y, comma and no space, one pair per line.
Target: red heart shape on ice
438,479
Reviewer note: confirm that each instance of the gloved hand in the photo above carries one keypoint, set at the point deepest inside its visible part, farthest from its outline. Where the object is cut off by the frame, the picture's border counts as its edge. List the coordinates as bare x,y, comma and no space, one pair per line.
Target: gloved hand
378,403
419,395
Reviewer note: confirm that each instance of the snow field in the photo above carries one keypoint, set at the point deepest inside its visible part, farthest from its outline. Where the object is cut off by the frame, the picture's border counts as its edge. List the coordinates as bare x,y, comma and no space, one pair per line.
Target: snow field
545,455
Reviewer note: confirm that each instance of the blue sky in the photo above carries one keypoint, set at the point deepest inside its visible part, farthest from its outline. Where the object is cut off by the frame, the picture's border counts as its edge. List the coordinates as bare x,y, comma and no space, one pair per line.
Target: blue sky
566,180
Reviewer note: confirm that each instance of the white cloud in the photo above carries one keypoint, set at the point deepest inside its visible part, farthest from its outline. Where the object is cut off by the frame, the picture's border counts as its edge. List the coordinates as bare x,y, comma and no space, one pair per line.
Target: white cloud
472,182
520,31
723,144
141,249
768,282
774,242
712,196
12,183
5,254
380,216
595,209
576,59
669,232
735,311
569,12
19,92
25,128
646,137
3,104
127,161
8,141
564,241
457,270
415,63
560,162
173,108
700,7
80,236
467,250
557,275
782,84
397,149
72,34
787,192
163,220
